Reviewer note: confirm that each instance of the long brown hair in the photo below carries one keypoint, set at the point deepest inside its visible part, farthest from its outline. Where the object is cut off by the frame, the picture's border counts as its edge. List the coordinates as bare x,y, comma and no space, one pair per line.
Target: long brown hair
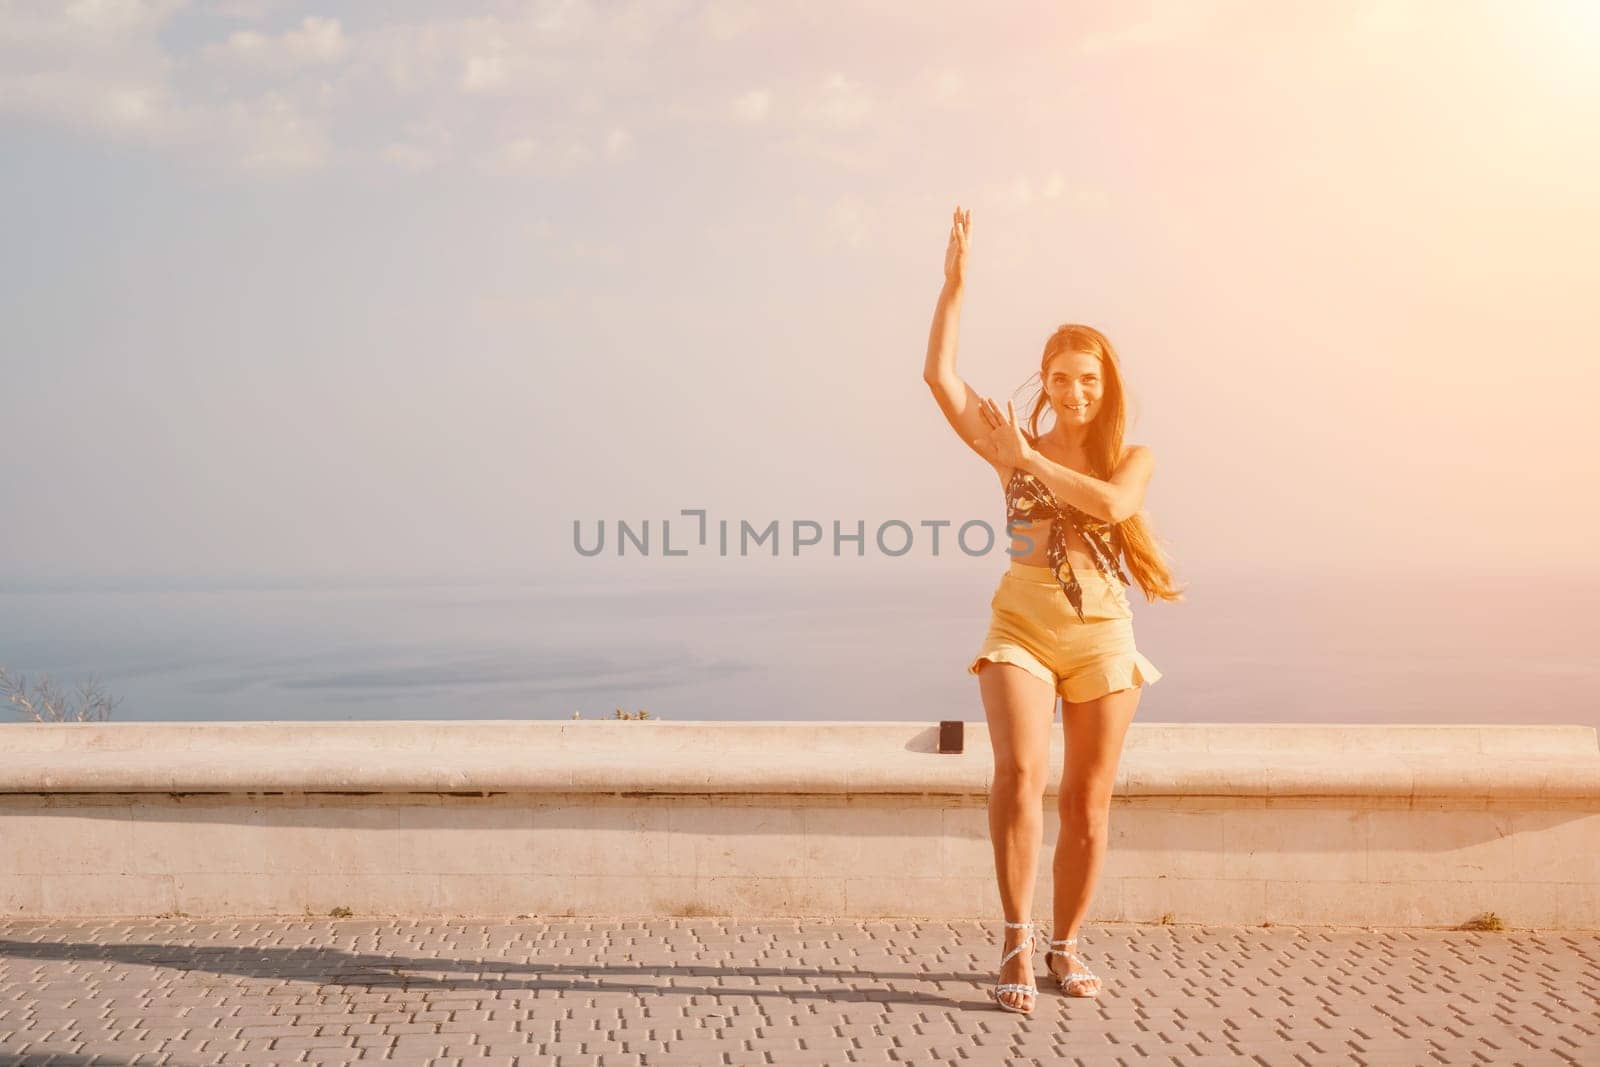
1103,446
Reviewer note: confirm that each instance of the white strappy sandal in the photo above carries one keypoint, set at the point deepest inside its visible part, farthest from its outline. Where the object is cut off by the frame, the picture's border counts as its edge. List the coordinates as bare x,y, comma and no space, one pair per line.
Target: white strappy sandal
996,991
1072,977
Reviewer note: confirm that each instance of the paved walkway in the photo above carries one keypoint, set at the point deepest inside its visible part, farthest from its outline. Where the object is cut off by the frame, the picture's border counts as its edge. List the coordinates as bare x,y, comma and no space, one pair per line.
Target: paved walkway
779,991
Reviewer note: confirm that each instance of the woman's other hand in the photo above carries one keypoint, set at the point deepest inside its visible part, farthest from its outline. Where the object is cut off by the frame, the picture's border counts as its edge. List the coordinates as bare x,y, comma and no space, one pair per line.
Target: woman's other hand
1008,443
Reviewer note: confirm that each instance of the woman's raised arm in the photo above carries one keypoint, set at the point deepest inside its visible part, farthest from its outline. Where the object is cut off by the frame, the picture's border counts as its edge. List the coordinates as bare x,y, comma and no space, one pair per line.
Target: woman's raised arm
958,400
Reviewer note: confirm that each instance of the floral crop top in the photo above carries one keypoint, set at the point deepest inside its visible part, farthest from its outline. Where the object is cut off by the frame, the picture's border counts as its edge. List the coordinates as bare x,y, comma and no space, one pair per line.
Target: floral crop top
1030,500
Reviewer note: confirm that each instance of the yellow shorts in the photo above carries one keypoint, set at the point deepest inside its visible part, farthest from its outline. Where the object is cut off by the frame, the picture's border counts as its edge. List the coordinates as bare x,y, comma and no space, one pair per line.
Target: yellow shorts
1034,627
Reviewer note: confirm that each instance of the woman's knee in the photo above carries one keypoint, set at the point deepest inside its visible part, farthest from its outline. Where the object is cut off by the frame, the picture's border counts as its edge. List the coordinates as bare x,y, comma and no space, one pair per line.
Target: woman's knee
1087,808
1025,777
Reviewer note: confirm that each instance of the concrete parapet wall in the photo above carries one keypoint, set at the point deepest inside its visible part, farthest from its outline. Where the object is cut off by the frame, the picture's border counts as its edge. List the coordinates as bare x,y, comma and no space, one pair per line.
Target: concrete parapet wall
1215,823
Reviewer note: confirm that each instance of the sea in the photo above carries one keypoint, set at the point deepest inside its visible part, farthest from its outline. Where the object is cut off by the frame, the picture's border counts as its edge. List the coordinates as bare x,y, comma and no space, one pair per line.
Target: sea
1245,645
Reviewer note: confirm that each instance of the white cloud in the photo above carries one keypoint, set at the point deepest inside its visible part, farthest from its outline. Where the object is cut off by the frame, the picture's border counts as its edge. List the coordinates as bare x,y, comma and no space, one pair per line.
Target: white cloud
112,65
240,9
839,103
100,63
573,156
91,64
272,133
115,16
547,47
829,125
1024,191
120,102
317,41
596,253
484,74
134,106
409,155
519,155
846,157
530,155
424,146
403,60
559,16
753,106
242,44
724,20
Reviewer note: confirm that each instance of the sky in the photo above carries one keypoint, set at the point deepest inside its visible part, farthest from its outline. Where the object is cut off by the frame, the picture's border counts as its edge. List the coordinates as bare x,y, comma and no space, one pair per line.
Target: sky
405,289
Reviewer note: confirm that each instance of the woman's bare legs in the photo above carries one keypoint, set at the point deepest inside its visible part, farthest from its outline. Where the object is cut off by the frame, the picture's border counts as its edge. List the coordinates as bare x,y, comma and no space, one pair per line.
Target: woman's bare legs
1094,732
1018,707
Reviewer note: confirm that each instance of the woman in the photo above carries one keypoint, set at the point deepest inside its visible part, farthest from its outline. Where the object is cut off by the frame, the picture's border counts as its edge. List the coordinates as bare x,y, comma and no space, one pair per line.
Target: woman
1061,624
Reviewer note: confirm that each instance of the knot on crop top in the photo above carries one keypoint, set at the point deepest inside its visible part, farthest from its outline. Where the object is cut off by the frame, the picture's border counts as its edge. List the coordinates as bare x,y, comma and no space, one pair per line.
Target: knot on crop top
1030,500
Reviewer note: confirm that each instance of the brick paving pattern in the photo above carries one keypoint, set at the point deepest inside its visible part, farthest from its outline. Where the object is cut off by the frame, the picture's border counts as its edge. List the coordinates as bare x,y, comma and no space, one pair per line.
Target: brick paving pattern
654,993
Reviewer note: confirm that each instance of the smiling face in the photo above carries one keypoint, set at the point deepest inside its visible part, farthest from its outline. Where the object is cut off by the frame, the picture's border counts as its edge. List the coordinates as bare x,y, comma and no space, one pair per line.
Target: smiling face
1075,386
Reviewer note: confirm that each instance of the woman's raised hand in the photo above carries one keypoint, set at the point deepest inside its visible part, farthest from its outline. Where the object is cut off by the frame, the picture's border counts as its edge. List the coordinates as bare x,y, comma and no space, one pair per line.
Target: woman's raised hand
955,254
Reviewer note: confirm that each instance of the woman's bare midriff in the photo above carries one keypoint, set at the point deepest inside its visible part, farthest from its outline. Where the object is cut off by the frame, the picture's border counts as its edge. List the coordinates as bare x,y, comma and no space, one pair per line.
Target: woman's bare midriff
1039,533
